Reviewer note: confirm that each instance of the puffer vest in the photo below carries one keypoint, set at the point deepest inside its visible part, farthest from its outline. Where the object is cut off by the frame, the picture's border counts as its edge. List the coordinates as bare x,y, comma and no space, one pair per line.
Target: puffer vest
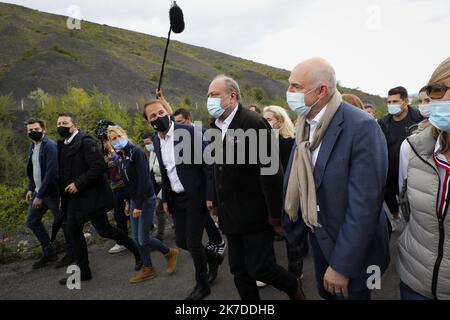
423,261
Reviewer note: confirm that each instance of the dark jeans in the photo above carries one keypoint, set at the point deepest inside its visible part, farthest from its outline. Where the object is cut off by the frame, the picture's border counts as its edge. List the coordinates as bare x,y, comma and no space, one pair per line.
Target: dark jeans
321,265
213,232
189,226
104,229
34,222
406,293
251,258
120,195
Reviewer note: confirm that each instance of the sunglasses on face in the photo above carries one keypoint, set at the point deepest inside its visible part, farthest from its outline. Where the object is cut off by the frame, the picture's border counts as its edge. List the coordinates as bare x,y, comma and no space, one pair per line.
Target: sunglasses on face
436,91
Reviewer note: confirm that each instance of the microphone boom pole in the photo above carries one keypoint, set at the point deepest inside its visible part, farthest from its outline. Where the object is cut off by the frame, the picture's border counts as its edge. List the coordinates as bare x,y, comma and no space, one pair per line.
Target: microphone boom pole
177,26
164,60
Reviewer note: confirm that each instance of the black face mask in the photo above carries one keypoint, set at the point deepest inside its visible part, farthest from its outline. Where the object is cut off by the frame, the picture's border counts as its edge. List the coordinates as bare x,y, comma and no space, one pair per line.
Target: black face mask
64,132
36,135
161,124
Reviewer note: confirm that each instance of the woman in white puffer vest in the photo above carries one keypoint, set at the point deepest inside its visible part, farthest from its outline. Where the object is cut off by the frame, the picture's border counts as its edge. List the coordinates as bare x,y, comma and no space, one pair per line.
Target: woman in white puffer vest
423,261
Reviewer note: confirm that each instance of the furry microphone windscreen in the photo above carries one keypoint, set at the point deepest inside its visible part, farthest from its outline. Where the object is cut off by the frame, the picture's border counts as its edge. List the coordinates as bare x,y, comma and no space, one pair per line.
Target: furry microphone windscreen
176,18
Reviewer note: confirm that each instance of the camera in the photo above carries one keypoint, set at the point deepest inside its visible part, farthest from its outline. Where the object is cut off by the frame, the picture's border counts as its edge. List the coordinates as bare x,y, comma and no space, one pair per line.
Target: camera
102,129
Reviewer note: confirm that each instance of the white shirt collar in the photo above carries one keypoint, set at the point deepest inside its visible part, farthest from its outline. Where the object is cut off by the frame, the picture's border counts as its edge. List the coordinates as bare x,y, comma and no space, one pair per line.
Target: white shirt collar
69,140
318,117
228,120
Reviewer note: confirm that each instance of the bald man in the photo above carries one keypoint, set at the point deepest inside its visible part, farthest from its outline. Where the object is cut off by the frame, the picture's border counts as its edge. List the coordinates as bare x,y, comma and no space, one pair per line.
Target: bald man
334,185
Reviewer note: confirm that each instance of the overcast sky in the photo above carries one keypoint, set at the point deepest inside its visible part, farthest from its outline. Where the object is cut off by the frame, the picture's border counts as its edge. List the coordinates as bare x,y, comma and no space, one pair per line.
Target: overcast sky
373,44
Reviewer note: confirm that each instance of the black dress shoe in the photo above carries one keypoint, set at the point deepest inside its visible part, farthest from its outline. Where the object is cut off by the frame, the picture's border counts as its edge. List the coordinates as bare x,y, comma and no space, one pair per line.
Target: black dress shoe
199,293
213,266
43,261
65,261
85,276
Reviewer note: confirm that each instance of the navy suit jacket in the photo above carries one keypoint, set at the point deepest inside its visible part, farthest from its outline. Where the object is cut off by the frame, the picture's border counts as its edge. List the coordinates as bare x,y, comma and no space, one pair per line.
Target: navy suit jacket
350,175
197,179
48,161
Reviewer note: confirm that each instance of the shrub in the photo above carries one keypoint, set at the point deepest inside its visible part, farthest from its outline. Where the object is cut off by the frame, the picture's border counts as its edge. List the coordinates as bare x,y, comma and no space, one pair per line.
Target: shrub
13,210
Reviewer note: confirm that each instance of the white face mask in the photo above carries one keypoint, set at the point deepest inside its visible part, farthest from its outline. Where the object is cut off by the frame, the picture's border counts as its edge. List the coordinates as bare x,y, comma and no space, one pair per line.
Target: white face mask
425,110
440,115
394,109
214,108
296,101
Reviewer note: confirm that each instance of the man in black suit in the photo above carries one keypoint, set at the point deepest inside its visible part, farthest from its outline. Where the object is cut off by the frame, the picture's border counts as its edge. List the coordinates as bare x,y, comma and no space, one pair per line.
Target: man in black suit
187,189
216,244
85,193
249,200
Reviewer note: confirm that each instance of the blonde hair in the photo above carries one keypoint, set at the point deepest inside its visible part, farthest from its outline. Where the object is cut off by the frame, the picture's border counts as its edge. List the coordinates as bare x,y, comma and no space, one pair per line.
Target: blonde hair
441,73
117,130
287,127
353,100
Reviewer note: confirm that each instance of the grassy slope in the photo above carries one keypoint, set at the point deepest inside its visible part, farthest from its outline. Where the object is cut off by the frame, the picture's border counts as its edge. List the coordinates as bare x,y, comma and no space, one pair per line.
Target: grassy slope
42,52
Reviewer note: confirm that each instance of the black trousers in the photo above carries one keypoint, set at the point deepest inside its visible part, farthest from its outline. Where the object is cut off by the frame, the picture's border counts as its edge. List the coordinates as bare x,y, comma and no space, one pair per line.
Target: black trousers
390,194
212,231
120,195
251,258
295,254
104,229
189,226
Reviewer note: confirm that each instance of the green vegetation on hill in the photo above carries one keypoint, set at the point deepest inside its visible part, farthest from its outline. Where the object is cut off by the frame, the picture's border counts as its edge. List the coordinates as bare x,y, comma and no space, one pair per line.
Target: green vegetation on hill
125,65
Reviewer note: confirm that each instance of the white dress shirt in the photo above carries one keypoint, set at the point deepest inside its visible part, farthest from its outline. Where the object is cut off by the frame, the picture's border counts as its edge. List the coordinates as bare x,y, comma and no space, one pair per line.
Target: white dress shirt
312,128
69,140
168,158
223,125
153,165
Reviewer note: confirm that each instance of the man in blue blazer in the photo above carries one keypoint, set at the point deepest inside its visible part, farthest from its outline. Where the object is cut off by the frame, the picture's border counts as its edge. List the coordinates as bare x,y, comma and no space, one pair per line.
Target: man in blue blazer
43,193
187,189
334,185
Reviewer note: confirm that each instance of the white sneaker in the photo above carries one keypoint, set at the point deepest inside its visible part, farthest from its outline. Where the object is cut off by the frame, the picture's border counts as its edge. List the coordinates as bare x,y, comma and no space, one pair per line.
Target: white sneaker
260,284
117,248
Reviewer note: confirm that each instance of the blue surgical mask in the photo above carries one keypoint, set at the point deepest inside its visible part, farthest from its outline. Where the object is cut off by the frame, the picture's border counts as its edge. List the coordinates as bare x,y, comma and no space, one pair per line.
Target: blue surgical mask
394,109
214,108
296,101
120,144
440,115
425,110
150,147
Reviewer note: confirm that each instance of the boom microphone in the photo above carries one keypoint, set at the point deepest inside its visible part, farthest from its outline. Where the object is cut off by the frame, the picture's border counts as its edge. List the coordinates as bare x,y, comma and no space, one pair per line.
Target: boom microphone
176,18
177,26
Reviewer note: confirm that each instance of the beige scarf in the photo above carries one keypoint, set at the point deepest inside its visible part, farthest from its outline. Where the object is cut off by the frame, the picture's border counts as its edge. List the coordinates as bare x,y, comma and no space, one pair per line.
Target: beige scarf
301,189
